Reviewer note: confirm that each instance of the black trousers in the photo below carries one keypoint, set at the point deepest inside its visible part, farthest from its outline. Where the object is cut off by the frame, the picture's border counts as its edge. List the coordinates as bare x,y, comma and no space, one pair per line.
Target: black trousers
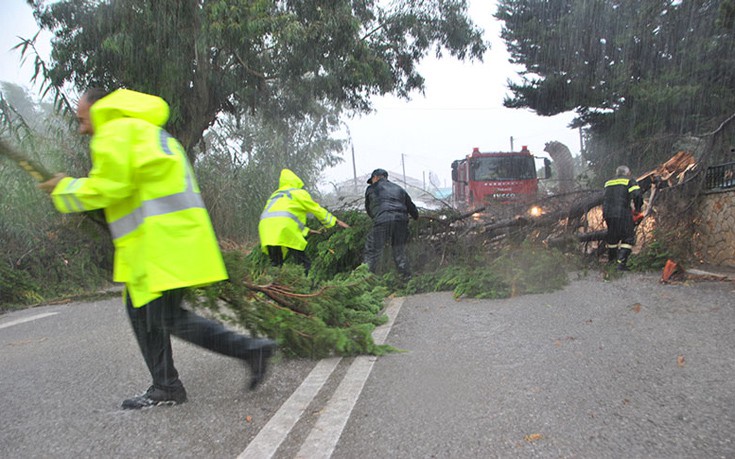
275,253
395,232
154,323
620,232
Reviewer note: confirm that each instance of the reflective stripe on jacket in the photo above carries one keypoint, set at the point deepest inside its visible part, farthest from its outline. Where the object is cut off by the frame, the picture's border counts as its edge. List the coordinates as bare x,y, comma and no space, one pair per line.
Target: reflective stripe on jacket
142,179
619,193
283,221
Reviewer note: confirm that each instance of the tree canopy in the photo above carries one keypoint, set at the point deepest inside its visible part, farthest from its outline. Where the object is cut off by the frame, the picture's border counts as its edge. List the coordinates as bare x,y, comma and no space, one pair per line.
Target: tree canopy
275,57
639,74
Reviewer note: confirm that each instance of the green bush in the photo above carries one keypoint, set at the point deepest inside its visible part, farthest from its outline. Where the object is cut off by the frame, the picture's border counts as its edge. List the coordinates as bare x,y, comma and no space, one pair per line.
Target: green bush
652,257
336,250
17,287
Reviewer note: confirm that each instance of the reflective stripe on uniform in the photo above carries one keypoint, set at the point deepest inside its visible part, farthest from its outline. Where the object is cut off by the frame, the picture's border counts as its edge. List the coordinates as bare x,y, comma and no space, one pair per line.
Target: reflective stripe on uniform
278,195
72,202
163,139
282,213
620,181
272,201
625,246
624,182
188,199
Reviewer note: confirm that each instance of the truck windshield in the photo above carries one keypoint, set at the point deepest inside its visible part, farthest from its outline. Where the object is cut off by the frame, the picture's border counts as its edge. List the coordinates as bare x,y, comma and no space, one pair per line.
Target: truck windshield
503,168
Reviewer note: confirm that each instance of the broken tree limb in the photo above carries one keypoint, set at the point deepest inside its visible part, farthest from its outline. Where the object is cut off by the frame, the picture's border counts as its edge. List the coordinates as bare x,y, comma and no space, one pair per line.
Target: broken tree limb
41,174
576,238
34,168
515,221
651,200
278,295
583,206
467,214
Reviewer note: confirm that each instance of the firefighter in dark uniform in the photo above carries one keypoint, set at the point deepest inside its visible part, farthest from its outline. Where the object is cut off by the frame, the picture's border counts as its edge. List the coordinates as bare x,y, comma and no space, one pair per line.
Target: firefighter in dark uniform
619,217
389,206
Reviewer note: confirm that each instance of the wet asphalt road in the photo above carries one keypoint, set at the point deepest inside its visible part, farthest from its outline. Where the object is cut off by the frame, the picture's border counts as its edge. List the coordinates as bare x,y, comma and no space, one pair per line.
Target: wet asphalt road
628,368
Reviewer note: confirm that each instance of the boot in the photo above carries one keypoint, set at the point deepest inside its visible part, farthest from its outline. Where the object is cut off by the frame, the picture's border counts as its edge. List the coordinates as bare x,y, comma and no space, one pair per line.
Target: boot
257,359
155,397
623,259
612,254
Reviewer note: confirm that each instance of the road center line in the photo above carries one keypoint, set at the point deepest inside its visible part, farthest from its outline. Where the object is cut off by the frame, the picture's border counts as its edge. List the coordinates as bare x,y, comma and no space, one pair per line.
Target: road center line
328,429
270,437
27,319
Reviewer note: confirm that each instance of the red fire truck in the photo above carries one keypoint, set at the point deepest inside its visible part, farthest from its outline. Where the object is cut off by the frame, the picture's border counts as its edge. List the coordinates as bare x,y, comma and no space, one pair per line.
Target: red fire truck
482,179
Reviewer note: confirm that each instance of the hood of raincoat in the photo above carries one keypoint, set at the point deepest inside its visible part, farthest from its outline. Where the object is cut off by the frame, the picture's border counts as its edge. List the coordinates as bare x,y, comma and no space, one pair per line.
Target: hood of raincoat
289,180
125,103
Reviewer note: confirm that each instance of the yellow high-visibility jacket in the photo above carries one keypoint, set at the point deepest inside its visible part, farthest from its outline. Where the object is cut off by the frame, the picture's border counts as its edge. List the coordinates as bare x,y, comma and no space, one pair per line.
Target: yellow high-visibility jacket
142,179
283,221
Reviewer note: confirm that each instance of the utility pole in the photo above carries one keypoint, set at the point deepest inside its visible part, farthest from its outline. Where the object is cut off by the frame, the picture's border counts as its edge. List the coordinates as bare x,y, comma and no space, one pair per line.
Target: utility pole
581,141
403,163
354,168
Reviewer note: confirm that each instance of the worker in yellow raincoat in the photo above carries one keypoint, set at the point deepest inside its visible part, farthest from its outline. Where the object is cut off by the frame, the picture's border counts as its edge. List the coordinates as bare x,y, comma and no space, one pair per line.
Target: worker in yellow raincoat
282,227
163,237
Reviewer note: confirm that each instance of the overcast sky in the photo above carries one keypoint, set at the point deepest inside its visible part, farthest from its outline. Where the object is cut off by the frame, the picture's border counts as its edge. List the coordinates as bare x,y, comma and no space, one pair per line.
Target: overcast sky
16,20
462,108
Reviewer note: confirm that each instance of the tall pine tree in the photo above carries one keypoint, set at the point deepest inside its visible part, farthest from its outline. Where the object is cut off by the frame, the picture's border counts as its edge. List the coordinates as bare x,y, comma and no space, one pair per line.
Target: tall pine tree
639,74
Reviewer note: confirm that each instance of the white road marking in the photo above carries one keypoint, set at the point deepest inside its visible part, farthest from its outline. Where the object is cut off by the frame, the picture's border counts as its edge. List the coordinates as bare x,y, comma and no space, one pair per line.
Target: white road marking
328,429
27,319
270,437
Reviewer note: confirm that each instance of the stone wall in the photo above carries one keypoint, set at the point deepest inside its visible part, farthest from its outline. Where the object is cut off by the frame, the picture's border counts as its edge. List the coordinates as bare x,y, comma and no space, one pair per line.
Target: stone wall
714,239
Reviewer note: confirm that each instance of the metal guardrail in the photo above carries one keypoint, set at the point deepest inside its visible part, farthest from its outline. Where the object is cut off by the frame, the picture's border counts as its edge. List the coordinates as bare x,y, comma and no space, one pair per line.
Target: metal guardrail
720,177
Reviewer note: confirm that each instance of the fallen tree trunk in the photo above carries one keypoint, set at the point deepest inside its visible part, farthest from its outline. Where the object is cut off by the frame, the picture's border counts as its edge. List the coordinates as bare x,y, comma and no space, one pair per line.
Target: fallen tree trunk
579,237
582,207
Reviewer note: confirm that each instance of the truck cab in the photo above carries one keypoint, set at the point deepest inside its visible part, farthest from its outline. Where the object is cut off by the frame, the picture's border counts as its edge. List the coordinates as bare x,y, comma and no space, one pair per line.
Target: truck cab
482,179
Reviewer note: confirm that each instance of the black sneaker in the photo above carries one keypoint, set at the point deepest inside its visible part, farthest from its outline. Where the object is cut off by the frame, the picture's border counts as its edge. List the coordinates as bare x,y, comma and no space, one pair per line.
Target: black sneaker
155,397
258,360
